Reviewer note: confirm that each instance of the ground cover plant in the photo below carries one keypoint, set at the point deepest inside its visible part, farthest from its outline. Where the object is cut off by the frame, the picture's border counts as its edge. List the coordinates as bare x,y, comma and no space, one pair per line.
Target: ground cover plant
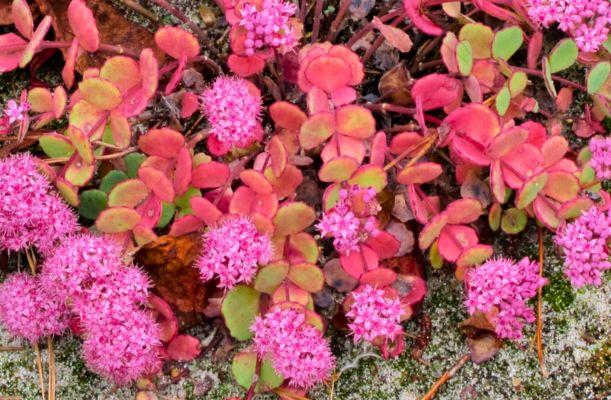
297,179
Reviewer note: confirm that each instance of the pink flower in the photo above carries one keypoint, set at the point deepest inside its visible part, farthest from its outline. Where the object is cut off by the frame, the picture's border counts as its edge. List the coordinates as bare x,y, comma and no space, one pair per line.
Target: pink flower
232,251
352,220
123,347
601,156
16,111
268,27
505,285
27,311
298,350
233,107
374,315
584,243
587,21
30,213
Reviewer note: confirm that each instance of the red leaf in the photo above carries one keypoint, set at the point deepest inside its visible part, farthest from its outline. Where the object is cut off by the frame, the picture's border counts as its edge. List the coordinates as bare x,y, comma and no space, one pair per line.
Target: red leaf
188,104
158,183
437,91
245,66
184,348
210,175
162,142
394,36
177,42
83,25
422,22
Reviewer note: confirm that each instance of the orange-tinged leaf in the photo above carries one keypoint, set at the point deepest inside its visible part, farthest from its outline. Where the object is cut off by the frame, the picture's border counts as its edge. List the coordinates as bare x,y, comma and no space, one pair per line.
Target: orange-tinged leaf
419,173
210,175
370,176
117,220
157,182
328,73
338,169
394,36
303,248
545,213
278,155
287,115
162,142
177,42
554,149
474,255
531,188
271,276
307,276
40,99
561,186
293,218
506,141
431,230
256,181
81,143
83,25
22,18
355,121
100,93
149,71
123,72
36,40
316,130
78,172
120,130
68,191
128,193
205,210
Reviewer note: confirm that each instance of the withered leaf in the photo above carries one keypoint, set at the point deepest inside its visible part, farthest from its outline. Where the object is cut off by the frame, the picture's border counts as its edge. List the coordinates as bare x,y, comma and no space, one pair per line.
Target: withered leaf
168,260
395,84
483,347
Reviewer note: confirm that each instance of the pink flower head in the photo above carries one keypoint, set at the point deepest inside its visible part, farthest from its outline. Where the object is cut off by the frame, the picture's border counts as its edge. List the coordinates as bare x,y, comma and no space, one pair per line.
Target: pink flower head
232,105
88,271
232,251
374,315
587,21
268,26
30,214
298,350
601,156
27,311
352,220
15,112
584,242
505,285
123,348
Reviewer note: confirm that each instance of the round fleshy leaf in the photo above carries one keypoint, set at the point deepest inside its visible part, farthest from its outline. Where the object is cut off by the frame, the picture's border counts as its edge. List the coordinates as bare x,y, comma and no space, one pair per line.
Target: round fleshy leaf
81,143
597,76
546,213
22,18
128,193
183,171
244,366
337,278
502,101
210,175
561,186
287,292
574,208
271,276
475,125
149,71
435,258
554,149
68,191
256,181
307,276
157,182
378,149
454,239
474,255
121,71
464,211
385,244
239,308
464,56
117,220
287,115
431,230
40,99
86,117
303,248
419,173
184,348
370,176
379,277
353,263
338,169
78,172
55,145
530,190
162,142
278,155
293,218
167,213
100,92
132,163
563,55
521,163
355,121
82,23
506,42
328,73
514,221
177,42
480,37
205,210
494,216
506,141
517,83
316,130
342,145
92,203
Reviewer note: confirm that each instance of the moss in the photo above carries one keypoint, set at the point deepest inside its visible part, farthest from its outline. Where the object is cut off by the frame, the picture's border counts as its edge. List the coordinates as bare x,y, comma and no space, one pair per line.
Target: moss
558,293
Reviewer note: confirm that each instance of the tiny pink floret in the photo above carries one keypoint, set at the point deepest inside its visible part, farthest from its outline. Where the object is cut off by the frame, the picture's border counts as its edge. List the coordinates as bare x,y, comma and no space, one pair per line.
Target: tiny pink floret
233,250
374,315
584,243
506,285
297,349
601,157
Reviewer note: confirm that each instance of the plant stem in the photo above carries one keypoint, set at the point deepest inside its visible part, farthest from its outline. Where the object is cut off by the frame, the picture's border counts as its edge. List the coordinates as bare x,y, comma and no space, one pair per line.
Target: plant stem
557,78
51,368
140,10
539,332
40,373
446,377
339,18
116,155
387,107
425,143
369,27
317,18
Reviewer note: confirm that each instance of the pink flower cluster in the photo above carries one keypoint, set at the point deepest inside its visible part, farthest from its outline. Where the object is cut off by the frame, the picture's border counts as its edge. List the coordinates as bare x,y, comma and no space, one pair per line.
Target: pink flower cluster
601,156
88,273
268,27
232,106
13,112
586,20
352,220
298,350
505,285
232,251
374,315
585,246
27,311
30,213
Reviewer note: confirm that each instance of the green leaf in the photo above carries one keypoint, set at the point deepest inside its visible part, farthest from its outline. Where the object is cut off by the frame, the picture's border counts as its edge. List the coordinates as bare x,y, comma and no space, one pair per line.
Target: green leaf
598,76
55,145
243,367
111,179
517,83
239,309
479,36
167,212
563,55
547,77
184,202
464,56
92,203
271,276
132,163
506,42
502,101
514,221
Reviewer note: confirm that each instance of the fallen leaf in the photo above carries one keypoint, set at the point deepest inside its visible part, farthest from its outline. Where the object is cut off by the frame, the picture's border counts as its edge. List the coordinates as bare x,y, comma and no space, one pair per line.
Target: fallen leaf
483,347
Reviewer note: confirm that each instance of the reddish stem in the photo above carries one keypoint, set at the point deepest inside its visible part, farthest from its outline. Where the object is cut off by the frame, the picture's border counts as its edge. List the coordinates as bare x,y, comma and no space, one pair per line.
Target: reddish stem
317,18
369,27
557,78
339,18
